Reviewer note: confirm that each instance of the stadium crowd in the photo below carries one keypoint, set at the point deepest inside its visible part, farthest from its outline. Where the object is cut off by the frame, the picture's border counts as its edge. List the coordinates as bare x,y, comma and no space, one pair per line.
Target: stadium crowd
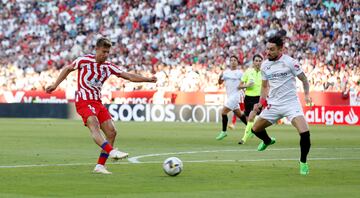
186,42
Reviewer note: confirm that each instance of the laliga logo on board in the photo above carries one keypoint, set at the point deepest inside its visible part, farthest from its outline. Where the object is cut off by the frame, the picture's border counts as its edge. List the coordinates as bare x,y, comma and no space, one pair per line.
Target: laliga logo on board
351,118
331,116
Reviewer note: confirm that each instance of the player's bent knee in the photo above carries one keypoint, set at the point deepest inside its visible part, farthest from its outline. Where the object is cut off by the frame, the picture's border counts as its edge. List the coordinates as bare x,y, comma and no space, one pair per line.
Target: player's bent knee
110,131
113,133
257,127
224,113
260,125
300,124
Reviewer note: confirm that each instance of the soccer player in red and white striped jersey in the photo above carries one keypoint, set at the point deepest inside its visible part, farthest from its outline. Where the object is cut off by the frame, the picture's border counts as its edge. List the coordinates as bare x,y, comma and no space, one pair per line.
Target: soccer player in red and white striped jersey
93,70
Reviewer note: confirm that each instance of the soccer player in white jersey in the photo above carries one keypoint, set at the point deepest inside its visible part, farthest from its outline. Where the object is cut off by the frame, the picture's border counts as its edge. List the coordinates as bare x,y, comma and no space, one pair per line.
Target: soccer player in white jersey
279,99
232,78
93,70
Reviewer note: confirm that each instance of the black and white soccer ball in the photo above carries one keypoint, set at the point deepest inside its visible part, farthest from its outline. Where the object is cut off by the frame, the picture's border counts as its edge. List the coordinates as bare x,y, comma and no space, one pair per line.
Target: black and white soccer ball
173,166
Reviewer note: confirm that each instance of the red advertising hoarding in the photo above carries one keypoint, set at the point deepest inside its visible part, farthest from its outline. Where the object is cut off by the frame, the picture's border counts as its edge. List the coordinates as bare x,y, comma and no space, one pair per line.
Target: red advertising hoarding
338,112
33,97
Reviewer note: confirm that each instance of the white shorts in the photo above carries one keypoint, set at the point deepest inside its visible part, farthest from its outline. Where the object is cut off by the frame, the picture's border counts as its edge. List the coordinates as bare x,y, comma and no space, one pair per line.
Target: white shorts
233,103
275,112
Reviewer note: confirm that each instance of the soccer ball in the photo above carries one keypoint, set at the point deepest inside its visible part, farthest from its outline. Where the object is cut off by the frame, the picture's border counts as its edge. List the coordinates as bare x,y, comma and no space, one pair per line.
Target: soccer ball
173,166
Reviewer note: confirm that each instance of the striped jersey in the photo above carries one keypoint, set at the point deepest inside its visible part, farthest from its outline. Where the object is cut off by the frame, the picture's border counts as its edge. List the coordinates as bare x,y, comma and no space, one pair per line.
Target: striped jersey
91,76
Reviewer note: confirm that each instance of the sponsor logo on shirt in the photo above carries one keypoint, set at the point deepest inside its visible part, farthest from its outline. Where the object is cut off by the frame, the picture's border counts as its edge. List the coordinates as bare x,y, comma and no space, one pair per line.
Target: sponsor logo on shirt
277,75
95,83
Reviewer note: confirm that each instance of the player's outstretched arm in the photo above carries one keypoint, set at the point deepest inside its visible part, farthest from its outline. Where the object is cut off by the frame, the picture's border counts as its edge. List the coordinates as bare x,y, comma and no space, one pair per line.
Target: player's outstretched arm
137,78
306,86
63,74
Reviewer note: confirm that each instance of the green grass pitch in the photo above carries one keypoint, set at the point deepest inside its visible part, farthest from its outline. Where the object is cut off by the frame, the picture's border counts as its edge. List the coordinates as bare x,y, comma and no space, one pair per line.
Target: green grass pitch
55,158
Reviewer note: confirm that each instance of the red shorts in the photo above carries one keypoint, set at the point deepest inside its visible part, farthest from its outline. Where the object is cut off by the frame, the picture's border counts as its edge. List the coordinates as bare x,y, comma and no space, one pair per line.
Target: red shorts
86,108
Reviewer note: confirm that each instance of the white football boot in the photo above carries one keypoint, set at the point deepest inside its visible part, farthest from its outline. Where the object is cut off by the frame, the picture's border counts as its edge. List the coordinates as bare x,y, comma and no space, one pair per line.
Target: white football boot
101,169
116,154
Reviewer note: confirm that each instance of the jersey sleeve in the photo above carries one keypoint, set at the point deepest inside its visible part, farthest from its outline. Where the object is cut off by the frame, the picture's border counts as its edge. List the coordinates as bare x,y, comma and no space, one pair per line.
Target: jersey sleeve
76,63
295,67
245,77
262,70
115,70
263,75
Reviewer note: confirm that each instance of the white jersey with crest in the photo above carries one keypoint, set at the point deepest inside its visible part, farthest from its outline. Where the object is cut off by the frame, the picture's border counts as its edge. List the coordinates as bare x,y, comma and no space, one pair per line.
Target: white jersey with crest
232,80
281,75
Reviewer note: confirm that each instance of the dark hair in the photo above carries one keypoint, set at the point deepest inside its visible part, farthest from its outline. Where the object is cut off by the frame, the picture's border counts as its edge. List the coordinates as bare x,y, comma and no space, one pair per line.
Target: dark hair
103,42
233,56
277,39
257,55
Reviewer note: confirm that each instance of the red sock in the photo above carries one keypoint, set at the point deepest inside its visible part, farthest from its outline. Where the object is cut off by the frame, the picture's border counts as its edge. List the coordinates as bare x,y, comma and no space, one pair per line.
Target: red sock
102,159
106,147
233,121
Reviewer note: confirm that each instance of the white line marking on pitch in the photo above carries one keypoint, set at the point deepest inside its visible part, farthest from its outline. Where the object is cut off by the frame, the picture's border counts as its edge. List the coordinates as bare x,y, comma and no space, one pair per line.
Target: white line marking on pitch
256,160
135,160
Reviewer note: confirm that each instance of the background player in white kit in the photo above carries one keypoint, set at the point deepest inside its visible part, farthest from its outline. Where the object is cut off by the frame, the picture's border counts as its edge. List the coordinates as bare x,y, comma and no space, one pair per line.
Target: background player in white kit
278,87
232,78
